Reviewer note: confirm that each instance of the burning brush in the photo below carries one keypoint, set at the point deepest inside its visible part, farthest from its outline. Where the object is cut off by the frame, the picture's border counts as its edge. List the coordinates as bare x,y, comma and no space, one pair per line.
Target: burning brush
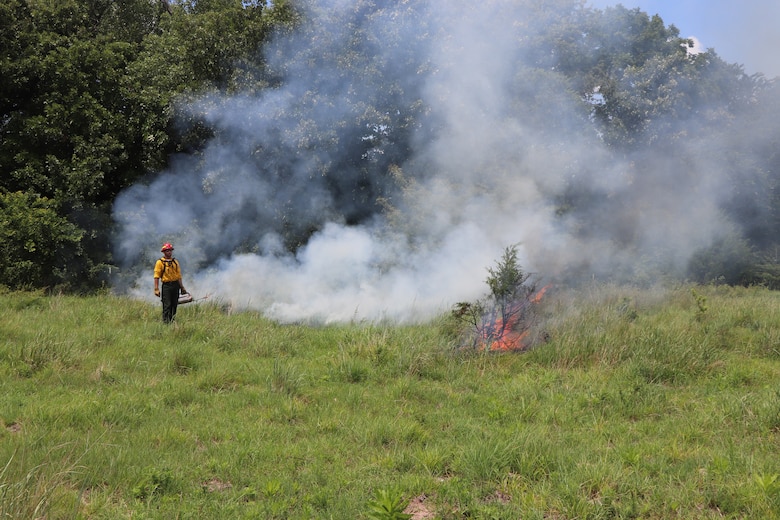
502,322
506,327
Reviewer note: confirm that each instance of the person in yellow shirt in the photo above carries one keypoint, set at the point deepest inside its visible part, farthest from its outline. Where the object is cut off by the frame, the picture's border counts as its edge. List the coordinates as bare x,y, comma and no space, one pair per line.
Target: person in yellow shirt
167,269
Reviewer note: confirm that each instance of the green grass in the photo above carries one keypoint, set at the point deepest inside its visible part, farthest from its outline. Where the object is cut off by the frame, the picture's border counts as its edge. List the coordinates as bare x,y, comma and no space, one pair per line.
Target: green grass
643,404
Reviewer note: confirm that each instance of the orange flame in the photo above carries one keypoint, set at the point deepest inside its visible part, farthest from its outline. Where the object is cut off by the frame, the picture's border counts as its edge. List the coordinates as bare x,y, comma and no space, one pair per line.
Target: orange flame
500,336
536,298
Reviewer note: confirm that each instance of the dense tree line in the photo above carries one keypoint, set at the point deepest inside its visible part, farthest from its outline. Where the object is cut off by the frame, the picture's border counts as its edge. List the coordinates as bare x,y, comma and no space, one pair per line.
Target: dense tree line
91,97
88,92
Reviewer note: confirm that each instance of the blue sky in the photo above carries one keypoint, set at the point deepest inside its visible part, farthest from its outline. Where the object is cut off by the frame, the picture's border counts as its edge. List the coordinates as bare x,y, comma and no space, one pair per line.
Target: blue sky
746,32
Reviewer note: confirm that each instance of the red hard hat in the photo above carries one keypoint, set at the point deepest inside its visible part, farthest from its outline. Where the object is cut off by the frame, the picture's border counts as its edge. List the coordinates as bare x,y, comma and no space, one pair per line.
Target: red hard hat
166,246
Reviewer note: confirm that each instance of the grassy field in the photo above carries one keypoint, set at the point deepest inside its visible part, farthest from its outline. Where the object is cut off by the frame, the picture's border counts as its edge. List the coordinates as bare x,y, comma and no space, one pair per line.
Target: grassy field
641,404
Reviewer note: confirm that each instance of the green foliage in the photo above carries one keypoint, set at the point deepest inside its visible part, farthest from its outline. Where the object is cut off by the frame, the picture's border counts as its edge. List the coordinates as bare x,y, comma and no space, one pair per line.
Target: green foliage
507,278
88,92
30,489
768,484
701,303
765,275
154,483
498,319
637,67
286,379
726,261
93,97
184,360
36,243
387,504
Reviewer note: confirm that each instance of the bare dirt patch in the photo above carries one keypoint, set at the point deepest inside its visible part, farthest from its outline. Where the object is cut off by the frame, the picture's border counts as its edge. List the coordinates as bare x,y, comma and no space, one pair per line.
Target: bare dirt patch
419,509
215,485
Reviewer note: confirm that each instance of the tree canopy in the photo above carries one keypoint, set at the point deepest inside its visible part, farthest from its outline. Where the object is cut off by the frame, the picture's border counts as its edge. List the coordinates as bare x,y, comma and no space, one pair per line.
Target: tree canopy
97,96
88,97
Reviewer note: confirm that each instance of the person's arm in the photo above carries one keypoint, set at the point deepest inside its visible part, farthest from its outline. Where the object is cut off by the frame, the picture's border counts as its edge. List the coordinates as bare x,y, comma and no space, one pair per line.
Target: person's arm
157,275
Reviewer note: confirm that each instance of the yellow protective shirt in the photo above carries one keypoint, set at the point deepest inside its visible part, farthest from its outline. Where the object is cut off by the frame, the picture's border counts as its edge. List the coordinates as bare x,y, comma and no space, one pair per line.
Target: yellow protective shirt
167,270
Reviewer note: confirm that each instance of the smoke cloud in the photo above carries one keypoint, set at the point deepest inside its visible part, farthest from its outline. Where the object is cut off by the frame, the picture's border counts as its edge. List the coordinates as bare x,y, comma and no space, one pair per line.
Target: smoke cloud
319,201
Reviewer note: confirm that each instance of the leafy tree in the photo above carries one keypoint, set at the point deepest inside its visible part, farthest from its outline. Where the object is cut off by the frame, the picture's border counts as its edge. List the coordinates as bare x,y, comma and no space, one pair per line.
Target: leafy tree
88,93
670,111
36,243
93,96
727,261
753,163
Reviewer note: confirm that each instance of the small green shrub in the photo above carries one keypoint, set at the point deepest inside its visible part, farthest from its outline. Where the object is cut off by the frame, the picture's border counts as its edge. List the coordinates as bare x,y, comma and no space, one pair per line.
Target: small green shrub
435,461
184,360
351,370
502,320
701,304
769,484
155,483
285,379
387,504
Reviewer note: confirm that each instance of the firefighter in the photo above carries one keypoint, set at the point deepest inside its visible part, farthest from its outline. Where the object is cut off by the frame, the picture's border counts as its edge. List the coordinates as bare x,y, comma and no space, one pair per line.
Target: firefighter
167,269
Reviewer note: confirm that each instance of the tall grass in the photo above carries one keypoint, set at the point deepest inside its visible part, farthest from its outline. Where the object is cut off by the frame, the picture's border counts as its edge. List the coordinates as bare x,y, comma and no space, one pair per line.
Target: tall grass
641,404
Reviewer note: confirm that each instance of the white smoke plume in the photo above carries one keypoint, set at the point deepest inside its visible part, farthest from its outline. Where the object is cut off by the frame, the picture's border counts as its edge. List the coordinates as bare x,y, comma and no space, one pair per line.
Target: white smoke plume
484,172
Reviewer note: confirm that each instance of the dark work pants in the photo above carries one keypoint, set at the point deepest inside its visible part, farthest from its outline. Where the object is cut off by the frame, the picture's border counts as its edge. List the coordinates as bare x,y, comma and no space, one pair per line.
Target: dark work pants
170,300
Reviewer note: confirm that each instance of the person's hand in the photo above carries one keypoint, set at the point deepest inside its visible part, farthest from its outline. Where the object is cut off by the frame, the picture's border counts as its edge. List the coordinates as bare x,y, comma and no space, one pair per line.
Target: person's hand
157,292
183,290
